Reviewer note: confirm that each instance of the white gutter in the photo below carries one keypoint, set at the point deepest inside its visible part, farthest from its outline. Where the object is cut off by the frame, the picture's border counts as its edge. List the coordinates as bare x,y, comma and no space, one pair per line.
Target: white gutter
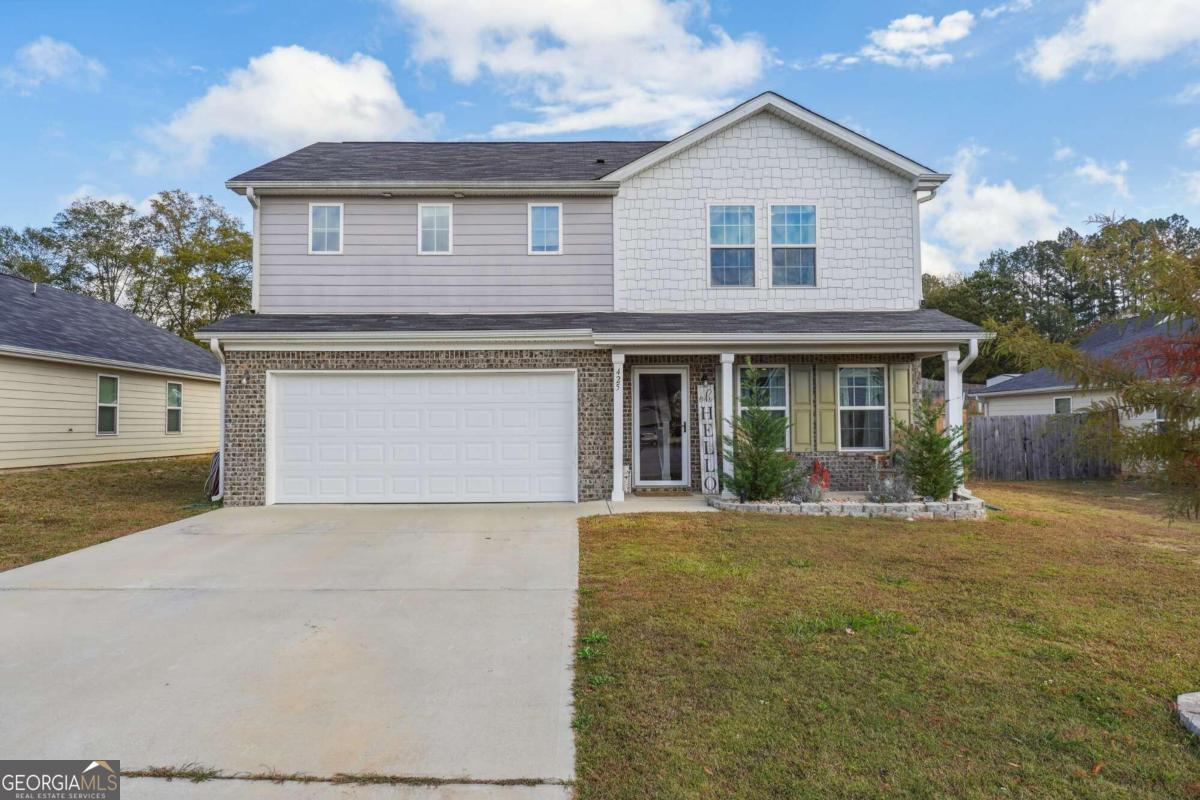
90,361
215,346
255,245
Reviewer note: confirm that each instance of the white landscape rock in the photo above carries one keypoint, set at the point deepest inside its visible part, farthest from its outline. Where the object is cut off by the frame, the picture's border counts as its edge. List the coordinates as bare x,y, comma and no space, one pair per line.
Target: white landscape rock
1189,711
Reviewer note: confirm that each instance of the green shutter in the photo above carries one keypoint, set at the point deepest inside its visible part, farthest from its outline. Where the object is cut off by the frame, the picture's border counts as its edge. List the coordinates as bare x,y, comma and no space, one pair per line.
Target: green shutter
826,409
802,409
900,395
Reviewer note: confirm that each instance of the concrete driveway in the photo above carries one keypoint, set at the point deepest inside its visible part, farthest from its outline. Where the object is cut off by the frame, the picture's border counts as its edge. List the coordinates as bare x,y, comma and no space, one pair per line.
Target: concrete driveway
429,641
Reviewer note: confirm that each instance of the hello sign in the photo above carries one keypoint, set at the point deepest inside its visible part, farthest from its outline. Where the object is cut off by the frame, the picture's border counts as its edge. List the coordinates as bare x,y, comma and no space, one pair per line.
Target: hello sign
706,408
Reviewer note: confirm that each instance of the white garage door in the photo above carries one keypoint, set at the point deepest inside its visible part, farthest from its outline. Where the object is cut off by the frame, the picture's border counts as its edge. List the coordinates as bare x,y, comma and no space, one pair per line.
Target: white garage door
422,437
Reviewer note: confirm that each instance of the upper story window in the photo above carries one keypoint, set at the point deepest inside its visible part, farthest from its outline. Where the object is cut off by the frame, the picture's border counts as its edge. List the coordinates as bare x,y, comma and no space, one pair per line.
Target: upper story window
793,245
731,245
325,228
174,408
435,228
545,228
107,403
862,408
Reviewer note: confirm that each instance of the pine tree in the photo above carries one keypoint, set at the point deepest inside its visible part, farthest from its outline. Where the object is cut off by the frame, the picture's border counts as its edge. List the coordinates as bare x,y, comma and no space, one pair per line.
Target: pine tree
761,467
932,460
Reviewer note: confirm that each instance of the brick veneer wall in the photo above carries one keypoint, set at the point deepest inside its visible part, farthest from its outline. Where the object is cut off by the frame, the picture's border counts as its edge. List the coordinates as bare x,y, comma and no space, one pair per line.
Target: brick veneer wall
245,403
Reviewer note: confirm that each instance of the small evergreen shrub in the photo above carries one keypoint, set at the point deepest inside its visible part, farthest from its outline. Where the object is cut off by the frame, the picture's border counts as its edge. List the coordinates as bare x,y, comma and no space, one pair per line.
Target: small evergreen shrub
934,462
761,468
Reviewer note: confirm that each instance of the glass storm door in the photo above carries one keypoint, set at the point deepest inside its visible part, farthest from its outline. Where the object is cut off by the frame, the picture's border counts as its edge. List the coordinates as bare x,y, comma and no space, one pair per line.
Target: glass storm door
660,430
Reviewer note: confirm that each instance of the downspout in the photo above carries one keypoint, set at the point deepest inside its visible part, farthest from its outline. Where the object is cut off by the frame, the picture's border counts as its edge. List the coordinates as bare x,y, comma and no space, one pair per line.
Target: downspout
215,345
972,354
961,369
254,249
917,232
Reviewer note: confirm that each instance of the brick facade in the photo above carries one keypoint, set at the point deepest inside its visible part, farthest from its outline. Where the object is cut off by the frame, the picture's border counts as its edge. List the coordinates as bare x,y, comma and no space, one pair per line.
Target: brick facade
245,405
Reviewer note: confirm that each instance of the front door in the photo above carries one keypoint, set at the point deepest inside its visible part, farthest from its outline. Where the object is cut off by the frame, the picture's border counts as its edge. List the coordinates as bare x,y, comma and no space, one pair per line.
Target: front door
660,429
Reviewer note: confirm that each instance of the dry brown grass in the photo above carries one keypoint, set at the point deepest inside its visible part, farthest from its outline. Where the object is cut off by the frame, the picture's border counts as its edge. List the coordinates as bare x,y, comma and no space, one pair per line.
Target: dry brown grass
48,512
1033,655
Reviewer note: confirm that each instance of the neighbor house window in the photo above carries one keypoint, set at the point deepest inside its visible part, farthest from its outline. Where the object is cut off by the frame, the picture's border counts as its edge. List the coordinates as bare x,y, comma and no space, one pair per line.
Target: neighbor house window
545,228
862,408
731,245
325,228
769,387
436,226
1062,405
793,245
174,408
107,399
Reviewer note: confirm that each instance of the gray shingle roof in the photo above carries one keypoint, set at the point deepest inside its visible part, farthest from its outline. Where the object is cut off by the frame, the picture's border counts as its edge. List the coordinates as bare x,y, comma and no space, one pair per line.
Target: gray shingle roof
1109,340
450,161
899,322
59,321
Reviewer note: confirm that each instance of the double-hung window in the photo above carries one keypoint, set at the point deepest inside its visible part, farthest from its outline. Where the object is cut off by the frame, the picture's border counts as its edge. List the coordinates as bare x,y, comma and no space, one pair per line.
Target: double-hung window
545,229
174,408
435,228
107,403
768,386
862,408
793,245
731,245
325,228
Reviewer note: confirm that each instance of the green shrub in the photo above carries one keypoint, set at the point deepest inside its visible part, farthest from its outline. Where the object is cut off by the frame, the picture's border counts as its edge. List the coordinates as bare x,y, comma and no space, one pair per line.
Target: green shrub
933,461
761,468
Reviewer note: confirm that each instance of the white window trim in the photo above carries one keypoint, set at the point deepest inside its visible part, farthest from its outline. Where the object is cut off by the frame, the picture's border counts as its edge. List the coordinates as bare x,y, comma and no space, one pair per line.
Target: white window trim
1070,404
117,405
887,432
787,397
341,229
815,247
529,226
167,414
449,230
709,246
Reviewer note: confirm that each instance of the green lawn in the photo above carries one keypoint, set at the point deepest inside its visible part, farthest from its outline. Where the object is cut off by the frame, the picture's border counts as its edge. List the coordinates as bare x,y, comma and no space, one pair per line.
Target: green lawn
1034,655
48,512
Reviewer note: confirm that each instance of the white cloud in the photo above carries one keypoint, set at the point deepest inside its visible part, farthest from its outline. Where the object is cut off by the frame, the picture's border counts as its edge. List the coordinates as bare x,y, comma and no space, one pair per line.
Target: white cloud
1113,176
87,191
909,41
1063,152
287,98
47,60
1014,7
935,260
1193,138
1117,34
1188,94
971,217
590,64
1192,182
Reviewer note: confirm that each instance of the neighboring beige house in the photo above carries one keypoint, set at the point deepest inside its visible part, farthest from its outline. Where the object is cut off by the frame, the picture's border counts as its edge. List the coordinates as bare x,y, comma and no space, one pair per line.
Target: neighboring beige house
1044,392
82,380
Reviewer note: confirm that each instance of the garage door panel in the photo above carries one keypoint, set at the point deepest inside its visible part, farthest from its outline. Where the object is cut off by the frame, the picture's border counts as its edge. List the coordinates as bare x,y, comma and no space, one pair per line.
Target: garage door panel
424,437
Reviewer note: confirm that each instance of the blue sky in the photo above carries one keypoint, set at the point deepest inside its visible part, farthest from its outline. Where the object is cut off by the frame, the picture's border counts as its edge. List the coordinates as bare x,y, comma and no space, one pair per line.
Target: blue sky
1047,111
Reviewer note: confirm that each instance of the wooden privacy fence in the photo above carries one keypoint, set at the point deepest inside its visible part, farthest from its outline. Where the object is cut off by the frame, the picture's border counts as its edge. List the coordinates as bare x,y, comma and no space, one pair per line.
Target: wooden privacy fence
1035,447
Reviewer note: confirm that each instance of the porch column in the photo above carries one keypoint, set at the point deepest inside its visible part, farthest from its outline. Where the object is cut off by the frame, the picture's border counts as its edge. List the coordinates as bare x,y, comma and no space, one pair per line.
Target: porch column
618,432
954,392
726,414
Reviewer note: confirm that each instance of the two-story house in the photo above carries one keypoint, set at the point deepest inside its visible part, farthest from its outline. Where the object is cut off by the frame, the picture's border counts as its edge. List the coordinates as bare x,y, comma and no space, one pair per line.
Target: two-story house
527,321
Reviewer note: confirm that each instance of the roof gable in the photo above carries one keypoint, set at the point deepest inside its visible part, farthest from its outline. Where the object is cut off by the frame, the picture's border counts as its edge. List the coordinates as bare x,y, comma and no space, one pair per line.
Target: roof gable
55,321
797,115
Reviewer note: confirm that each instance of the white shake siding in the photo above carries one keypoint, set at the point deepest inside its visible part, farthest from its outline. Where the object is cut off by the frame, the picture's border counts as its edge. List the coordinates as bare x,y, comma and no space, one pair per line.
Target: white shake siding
489,270
865,224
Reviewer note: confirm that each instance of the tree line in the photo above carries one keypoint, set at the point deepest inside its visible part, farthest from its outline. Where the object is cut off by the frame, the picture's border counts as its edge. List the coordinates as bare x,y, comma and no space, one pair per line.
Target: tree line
184,263
1061,288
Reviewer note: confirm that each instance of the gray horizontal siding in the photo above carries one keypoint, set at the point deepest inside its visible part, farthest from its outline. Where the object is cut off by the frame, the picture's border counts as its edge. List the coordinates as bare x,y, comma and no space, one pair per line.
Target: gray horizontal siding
489,270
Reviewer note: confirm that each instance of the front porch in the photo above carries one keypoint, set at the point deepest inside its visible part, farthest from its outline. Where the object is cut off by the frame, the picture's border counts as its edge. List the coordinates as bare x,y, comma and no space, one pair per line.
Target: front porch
672,411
